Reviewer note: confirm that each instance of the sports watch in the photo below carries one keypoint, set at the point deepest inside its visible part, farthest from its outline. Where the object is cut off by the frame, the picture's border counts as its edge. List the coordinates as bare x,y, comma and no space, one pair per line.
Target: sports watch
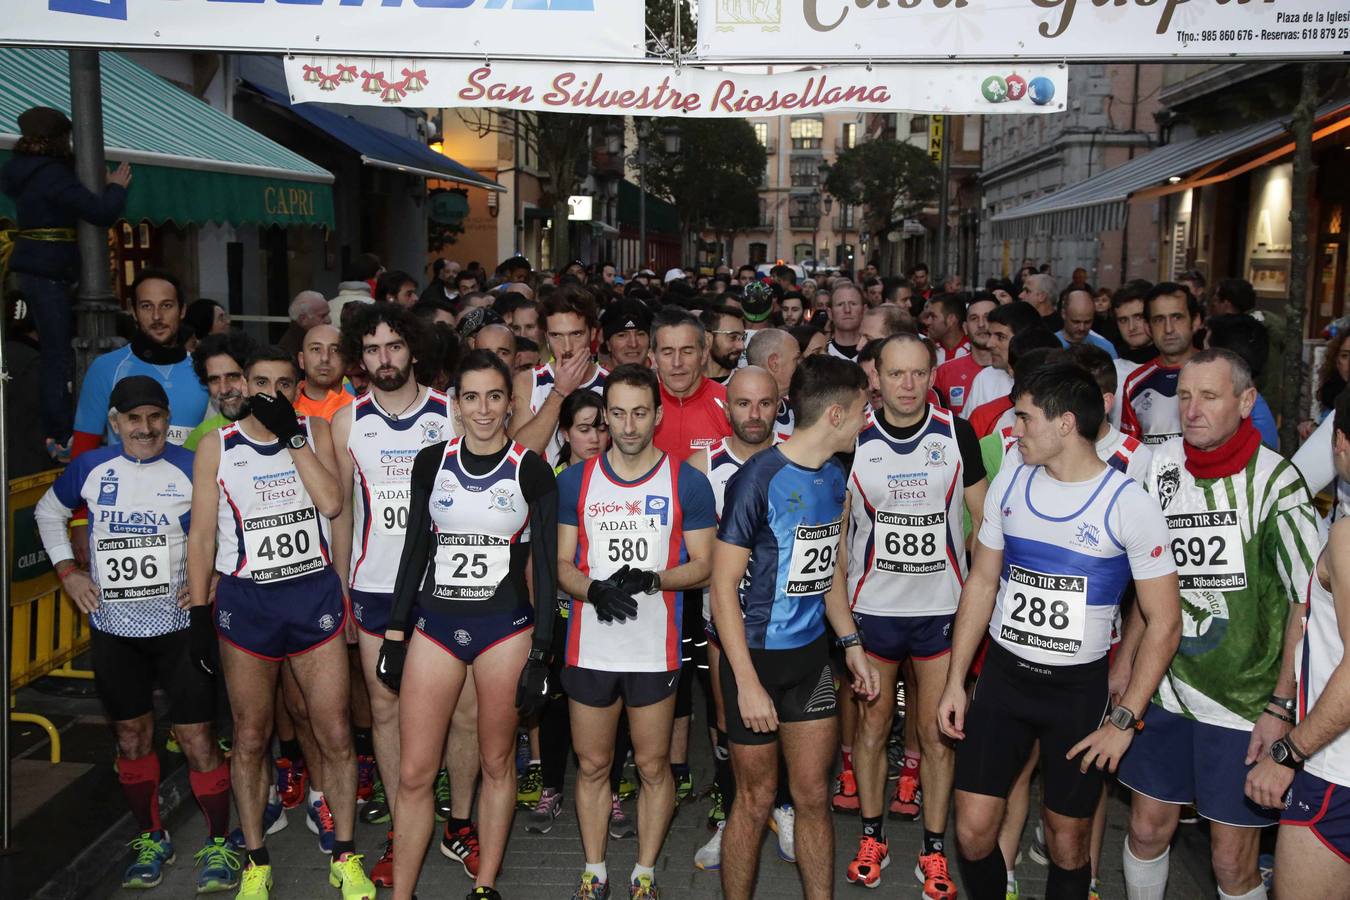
298,441
1124,719
1283,753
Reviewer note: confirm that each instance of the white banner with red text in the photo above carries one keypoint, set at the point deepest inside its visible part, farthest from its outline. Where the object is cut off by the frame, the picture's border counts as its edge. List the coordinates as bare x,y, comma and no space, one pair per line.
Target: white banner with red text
519,28
662,90
1099,30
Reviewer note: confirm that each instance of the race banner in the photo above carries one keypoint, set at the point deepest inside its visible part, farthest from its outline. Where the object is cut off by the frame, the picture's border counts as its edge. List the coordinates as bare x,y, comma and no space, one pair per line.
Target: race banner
426,28
662,90
827,30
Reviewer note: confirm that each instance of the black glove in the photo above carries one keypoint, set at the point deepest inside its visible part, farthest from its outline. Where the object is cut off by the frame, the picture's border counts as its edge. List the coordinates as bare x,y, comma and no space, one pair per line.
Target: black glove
638,581
532,689
389,665
202,643
611,602
276,415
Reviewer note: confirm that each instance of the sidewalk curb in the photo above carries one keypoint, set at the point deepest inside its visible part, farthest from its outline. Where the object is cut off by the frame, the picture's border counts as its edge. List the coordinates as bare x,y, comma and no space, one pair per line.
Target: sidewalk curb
96,863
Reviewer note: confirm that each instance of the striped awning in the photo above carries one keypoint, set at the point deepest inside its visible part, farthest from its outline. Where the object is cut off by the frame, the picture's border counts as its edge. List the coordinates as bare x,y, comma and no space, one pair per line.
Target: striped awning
1099,203
191,162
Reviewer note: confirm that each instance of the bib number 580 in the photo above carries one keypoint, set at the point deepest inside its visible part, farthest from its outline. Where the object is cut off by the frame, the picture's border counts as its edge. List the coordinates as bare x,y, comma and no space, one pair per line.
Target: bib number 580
627,550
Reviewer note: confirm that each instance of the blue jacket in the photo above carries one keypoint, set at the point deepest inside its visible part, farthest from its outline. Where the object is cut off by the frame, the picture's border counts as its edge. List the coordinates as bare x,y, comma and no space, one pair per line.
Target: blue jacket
48,194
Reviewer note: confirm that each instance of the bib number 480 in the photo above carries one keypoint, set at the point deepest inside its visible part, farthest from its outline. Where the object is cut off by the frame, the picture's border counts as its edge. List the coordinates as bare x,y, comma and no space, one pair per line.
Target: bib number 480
283,545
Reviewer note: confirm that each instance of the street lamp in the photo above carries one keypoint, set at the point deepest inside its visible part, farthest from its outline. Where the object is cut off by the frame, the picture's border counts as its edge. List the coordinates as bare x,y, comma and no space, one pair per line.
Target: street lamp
829,205
644,131
813,202
613,138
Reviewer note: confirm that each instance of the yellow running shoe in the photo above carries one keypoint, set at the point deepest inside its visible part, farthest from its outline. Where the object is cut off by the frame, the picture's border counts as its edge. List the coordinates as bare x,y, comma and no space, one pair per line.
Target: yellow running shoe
346,873
255,884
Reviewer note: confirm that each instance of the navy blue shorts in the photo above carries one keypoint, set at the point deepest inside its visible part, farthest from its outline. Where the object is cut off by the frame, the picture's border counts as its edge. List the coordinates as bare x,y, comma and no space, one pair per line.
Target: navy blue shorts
280,618
371,611
893,639
1322,806
467,637
1179,760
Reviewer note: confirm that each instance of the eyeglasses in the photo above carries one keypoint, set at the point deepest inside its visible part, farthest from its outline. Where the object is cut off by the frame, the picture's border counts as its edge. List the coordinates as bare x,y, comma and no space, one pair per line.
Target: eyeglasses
734,335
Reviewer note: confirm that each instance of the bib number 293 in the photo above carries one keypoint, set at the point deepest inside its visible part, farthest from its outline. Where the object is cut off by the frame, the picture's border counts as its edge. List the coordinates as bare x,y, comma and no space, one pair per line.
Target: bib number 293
811,569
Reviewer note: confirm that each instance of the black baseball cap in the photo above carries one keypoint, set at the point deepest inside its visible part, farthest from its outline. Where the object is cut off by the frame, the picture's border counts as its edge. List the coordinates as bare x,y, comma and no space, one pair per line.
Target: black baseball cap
137,390
757,301
623,315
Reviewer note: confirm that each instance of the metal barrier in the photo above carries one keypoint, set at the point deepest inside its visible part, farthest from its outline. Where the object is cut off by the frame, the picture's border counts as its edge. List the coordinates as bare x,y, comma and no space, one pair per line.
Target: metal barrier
47,631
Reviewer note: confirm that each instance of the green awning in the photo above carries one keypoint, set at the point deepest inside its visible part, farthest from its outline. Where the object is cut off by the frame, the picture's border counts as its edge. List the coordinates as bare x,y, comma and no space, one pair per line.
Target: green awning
662,217
191,162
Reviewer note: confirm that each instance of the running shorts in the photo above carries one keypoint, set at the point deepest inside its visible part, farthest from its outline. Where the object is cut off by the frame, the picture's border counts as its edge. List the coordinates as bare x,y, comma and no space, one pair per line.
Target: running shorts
598,688
283,618
468,637
1323,806
371,611
1016,703
892,639
800,682
127,670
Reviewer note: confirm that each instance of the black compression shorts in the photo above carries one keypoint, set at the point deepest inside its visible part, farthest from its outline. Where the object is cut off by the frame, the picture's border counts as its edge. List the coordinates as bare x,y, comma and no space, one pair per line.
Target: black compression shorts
800,682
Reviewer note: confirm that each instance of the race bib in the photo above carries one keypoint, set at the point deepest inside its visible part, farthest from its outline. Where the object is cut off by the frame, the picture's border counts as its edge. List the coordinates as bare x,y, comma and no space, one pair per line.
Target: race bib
1044,612
911,544
283,545
470,566
626,541
1207,548
135,567
811,570
389,508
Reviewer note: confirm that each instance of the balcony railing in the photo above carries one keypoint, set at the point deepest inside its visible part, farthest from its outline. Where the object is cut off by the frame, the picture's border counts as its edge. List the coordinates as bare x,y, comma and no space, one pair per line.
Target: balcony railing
804,223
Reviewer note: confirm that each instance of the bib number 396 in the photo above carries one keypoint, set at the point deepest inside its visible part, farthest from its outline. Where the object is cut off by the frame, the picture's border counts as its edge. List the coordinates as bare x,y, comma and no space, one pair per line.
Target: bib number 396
811,570
135,567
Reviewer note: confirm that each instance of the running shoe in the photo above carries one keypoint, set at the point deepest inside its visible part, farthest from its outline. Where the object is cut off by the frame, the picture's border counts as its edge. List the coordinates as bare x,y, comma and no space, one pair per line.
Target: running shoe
346,874
462,847
783,822
171,742
442,792
382,875
226,746
152,851
1265,864
218,868
274,819
256,883
366,773
530,786
684,788
895,757
292,781
627,787
320,821
1037,851
620,825
643,888
709,856
845,797
591,888
932,873
482,893
1093,892
908,798
717,813
541,818
376,811
1013,892
873,856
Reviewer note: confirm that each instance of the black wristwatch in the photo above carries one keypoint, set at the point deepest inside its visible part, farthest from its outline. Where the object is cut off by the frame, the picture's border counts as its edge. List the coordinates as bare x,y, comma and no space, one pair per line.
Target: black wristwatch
298,441
849,640
537,655
1284,753
1124,718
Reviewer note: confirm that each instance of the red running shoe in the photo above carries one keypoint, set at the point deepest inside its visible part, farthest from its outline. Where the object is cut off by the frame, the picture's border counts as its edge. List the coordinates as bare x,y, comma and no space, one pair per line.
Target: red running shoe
462,846
908,797
292,782
383,873
937,881
845,797
873,856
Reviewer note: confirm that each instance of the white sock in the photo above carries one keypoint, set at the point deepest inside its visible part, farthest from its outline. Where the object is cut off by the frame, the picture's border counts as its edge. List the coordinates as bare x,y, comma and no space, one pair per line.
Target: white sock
1012,878
599,870
534,762
1256,893
314,796
639,870
1144,879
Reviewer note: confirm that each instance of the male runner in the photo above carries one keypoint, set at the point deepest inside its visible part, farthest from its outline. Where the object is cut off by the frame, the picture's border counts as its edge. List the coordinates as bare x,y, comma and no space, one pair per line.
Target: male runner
846,309
570,324
1062,536
376,438
942,319
777,352
626,327
778,542
1312,853
321,362
628,520
139,495
1244,536
262,494
915,469
752,402
218,362
1149,408
954,378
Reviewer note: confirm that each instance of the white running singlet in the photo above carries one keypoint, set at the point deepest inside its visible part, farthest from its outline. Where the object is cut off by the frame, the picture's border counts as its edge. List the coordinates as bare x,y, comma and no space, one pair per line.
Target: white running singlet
906,554
1069,552
722,464
638,525
1319,656
267,527
382,448
1119,451
542,386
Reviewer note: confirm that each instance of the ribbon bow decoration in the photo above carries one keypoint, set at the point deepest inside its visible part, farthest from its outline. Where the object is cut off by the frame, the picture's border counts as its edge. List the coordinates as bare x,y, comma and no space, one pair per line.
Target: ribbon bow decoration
415,79
313,74
372,82
347,73
393,93
329,82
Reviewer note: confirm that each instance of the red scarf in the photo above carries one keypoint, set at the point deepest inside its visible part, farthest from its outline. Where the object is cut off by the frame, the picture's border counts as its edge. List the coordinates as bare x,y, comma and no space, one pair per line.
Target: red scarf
1228,458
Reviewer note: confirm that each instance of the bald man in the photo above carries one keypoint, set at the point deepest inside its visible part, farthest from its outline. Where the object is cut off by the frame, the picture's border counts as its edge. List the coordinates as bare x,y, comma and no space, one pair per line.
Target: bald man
498,339
321,392
777,353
